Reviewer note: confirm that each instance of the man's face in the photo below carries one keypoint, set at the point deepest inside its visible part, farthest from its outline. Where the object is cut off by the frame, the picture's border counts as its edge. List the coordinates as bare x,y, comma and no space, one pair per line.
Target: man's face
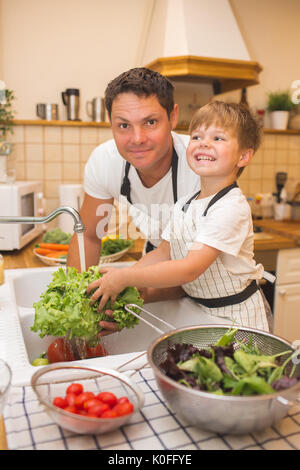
142,130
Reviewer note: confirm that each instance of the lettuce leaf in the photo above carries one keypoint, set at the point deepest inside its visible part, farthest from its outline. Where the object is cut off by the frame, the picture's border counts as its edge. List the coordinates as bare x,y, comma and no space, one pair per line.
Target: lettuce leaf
65,307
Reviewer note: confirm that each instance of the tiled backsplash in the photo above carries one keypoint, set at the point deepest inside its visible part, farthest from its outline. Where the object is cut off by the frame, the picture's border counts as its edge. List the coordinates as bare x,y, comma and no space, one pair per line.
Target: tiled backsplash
54,155
57,155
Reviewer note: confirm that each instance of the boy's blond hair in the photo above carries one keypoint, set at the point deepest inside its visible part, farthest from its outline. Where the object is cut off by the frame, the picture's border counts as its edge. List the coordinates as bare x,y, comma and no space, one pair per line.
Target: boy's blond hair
232,117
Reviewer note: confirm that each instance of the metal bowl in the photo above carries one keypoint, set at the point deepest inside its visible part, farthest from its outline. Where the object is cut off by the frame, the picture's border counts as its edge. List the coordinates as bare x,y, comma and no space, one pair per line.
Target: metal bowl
51,381
217,413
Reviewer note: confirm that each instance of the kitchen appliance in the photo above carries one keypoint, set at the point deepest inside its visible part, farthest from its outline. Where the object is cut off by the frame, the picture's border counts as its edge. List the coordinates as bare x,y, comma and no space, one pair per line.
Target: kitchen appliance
295,203
280,179
23,198
96,109
70,99
47,111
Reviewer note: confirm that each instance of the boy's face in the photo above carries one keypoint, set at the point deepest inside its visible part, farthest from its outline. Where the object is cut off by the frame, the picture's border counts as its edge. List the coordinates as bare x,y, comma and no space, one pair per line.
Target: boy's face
142,130
215,152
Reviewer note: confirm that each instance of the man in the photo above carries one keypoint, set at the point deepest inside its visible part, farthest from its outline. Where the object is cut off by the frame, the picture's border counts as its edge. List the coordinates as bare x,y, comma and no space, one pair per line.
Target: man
144,165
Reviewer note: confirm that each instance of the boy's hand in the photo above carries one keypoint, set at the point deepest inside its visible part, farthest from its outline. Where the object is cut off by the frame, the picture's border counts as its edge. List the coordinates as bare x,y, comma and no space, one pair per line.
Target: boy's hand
107,287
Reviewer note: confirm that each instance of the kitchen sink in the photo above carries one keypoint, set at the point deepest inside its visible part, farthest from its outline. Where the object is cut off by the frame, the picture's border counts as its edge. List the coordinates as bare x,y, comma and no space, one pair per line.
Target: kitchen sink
22,346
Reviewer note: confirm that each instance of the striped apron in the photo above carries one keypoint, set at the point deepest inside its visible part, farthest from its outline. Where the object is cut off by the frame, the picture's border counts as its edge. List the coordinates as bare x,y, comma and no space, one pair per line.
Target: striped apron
218,292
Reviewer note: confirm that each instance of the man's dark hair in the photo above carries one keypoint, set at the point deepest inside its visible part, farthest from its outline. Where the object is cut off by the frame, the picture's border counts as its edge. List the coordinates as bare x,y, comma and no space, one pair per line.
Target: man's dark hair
141,82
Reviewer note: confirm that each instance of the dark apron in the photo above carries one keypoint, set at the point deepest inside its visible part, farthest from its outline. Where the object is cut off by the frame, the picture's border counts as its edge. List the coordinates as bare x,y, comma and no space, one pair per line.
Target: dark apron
126,188
230,299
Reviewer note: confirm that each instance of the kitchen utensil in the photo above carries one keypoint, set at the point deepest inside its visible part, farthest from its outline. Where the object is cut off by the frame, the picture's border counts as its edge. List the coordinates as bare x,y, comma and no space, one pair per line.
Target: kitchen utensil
221,413
281,178
296,192
51,381
96,109
70,99
47,111
295,210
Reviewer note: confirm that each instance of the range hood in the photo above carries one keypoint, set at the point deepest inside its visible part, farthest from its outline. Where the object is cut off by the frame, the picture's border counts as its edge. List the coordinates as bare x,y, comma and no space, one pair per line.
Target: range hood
198,41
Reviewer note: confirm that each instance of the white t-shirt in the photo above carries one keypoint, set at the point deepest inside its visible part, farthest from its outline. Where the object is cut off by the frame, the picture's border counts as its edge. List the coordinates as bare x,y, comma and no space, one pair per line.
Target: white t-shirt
227,226
151,207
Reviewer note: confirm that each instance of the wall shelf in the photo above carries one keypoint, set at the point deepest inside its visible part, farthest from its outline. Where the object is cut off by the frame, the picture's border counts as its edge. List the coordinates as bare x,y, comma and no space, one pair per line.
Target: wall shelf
265,131
42,122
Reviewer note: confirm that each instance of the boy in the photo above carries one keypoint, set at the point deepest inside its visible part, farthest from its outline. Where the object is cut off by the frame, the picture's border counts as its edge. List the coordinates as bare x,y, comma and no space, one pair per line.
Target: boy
207,247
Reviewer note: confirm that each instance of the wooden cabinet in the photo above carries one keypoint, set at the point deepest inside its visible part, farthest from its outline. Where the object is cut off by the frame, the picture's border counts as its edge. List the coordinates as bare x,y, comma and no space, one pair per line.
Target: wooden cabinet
287,295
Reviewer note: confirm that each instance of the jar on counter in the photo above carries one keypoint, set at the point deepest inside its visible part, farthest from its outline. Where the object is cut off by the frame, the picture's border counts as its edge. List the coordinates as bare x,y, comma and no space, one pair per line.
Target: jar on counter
1,269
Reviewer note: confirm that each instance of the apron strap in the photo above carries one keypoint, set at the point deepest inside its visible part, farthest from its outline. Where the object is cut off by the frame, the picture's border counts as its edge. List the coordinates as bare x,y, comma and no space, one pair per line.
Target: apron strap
126,187
213,200
219,195
229,299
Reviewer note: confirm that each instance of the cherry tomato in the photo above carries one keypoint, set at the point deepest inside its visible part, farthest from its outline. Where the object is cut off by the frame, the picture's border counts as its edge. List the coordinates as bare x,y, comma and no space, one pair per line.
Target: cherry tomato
75,388
83,397
60,350
71,409
123,400
107,397
97,409
60,402
109,414
124,408
90,402
70,399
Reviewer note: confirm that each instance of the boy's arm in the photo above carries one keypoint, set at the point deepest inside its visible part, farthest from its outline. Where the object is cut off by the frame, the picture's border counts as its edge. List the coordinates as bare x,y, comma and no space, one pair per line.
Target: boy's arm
164,274
149,294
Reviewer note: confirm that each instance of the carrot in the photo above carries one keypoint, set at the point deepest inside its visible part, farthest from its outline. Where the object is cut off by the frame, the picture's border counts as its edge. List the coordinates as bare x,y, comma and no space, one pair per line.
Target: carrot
56,254
54,246
43,251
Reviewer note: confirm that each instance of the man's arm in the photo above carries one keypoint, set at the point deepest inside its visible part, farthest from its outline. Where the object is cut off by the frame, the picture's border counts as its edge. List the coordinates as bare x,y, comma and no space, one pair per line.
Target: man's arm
95,219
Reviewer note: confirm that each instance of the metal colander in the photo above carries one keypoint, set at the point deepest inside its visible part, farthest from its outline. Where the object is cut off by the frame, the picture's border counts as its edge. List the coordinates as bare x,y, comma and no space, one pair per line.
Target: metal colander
218,413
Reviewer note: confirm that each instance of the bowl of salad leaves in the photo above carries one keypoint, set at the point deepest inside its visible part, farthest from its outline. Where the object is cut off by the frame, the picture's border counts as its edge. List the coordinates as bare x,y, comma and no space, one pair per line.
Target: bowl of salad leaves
113,248
234,381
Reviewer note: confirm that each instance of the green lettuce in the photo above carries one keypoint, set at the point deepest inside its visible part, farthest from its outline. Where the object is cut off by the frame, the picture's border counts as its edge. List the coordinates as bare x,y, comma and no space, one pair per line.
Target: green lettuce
65,307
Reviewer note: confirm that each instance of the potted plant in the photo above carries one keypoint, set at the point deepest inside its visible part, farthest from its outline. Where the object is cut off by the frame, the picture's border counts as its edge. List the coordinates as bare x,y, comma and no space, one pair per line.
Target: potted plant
6,120
6,126
279,106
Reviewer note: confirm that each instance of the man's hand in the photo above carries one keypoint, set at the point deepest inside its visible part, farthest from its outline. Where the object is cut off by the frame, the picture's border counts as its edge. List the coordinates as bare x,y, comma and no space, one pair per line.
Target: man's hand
109,326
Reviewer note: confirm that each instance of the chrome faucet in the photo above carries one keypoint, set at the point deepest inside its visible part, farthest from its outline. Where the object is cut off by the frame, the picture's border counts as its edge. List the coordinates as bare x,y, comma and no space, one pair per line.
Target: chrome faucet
78,225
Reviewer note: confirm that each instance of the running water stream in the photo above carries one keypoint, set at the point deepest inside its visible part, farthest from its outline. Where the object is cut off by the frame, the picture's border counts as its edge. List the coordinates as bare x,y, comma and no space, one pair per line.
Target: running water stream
80,238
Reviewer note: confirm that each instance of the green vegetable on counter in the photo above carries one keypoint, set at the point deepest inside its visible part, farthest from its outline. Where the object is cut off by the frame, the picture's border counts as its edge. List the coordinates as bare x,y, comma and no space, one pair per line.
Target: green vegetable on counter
57,236
41,361
111,246
65,307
